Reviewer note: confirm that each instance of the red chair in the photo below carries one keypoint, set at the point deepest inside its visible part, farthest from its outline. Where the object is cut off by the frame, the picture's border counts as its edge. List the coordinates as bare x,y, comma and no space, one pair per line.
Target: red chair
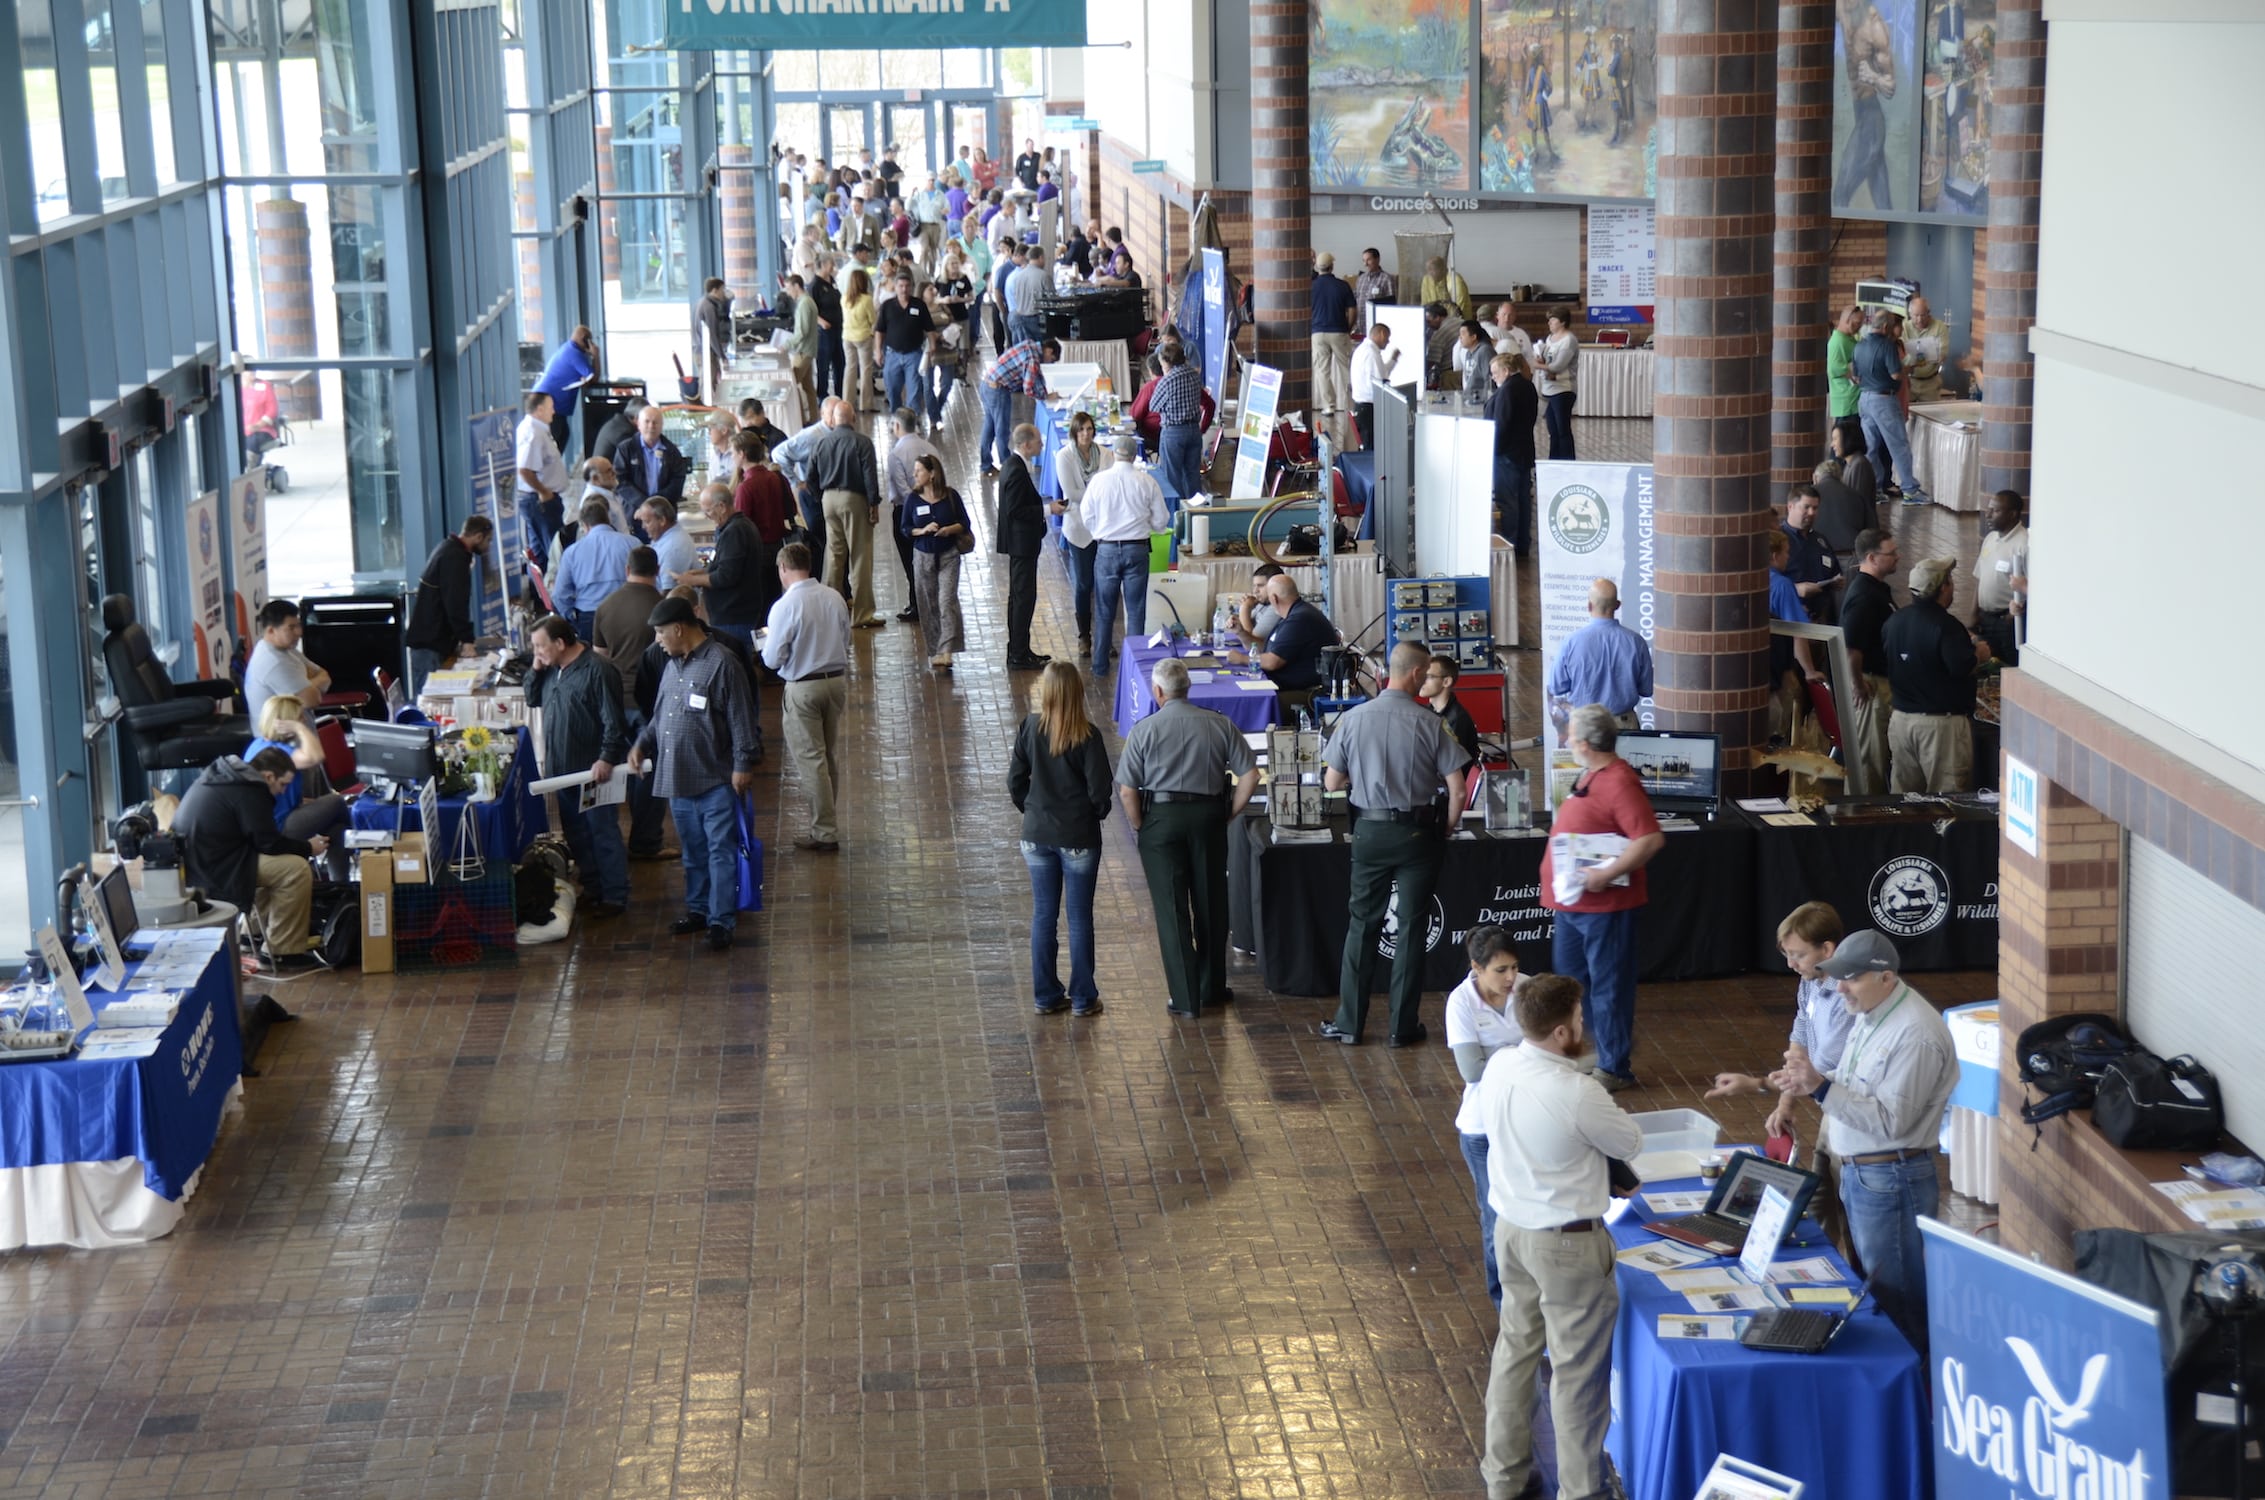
337,756
1343,496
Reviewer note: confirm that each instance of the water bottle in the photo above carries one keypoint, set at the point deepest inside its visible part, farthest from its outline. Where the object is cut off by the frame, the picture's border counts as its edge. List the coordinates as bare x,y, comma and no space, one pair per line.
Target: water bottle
1222,627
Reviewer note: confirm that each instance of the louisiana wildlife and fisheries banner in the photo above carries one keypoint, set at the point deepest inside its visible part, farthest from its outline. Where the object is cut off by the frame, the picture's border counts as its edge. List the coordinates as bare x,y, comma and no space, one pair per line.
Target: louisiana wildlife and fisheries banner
2045,1387
791,25
1595,522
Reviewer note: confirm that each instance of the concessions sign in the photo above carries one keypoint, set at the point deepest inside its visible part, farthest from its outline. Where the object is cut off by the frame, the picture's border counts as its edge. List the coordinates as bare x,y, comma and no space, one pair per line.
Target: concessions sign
2045,1387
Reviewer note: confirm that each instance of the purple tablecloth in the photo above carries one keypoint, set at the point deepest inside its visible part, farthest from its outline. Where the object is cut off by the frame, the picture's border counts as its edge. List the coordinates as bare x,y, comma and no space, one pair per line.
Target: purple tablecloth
1249,709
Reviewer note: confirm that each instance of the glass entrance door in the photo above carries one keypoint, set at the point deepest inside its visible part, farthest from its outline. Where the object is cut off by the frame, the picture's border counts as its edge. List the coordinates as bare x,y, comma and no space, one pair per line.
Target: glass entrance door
847,132
908,132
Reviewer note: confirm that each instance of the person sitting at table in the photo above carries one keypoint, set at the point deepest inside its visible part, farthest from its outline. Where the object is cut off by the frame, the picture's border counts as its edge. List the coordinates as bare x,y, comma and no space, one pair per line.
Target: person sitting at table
1118,269
753,418
1480,1023
307,808
232,849
1292,653
1552,1132
1439,691
584,729
1173,783
1255,615
1808,936
276,664
1883,1105
1123,507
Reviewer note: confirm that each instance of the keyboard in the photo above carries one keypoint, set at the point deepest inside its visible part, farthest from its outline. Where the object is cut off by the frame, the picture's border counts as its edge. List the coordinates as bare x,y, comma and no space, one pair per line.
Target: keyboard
1791,1330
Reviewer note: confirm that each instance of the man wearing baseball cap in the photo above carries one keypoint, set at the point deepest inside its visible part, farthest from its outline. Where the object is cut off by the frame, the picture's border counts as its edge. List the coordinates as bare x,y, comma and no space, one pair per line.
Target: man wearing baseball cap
1883,1105
1930,670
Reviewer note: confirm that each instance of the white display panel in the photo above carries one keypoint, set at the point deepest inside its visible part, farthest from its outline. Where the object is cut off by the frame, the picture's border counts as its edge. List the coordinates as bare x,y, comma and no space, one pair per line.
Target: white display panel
1454,494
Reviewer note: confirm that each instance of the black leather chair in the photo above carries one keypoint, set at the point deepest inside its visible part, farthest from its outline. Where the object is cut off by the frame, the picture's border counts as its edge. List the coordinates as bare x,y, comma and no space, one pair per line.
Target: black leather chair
173,726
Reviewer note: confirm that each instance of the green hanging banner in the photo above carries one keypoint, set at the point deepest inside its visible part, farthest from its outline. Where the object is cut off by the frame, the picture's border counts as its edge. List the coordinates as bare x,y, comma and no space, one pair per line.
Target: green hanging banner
794,25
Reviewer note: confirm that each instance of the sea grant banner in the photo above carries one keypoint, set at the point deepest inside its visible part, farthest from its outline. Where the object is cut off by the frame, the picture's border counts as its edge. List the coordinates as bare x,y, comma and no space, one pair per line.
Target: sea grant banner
730,25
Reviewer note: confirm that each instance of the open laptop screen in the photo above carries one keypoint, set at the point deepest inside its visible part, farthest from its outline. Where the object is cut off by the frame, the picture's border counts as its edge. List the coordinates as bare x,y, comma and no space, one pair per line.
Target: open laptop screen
1673,766
1749,1175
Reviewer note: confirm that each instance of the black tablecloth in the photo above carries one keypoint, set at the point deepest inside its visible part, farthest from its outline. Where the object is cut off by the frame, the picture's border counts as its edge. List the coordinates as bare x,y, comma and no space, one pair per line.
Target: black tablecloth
1287,902
1930,886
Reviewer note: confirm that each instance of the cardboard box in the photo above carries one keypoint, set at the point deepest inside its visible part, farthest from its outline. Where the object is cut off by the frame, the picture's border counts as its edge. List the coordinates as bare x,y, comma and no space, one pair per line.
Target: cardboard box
410,866
377,911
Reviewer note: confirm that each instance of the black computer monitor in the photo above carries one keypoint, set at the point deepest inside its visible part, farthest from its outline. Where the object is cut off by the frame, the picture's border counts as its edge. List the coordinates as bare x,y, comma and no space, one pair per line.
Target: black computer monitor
392,752
1675,768
117,899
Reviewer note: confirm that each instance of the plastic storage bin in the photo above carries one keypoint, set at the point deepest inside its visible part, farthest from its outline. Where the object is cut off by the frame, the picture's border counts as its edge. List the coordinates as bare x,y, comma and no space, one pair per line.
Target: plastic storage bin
1678,1130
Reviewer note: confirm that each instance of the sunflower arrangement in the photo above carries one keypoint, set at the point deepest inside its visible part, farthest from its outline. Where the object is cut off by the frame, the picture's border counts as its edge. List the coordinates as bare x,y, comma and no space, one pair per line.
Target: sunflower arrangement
480,754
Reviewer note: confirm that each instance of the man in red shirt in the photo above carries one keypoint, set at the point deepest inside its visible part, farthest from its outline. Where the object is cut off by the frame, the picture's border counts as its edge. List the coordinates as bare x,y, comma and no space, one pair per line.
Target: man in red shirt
765,499
1595,937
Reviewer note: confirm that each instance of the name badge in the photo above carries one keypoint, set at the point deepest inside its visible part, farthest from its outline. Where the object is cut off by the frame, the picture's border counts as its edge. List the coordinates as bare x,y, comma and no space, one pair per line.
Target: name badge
696,700
924,510
2005,565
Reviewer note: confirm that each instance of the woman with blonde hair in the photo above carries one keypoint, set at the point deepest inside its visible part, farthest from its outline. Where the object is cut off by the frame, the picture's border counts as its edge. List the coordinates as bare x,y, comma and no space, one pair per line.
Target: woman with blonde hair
860,316
1060,782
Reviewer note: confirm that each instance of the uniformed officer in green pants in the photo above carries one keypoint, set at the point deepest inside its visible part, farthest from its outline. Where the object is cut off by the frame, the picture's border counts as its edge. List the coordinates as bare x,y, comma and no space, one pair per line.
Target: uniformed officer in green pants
1173,782
1392,752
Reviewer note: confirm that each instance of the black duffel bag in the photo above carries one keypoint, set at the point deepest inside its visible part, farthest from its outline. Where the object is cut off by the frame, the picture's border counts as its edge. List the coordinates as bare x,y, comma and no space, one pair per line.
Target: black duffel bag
2150,1103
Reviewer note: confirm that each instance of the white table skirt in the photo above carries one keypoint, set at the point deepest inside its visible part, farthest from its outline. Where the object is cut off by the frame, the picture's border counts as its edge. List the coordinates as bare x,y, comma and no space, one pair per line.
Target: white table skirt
1946,449
1973,1140
775,388
89,1205
1112,355
1614,382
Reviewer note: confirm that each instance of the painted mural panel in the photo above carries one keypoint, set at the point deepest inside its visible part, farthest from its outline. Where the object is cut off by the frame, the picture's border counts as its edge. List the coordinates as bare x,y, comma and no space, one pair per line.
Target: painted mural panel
1960,45
1390,95
1568,103
1875,115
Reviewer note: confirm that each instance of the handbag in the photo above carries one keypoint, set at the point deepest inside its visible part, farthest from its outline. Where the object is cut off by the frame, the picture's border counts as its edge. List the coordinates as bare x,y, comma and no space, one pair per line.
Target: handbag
750,893
2150,1103
964,543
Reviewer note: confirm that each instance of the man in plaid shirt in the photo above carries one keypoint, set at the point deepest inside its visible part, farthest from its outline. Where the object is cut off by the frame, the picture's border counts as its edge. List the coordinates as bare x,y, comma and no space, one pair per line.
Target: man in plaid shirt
1178,405
1018,369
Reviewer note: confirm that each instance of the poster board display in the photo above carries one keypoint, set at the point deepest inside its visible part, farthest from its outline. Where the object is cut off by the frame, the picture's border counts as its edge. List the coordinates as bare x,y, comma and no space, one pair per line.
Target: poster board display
493,455
1595,522
247,547
1623,263
1454,483
208,585
1262,393
1215,324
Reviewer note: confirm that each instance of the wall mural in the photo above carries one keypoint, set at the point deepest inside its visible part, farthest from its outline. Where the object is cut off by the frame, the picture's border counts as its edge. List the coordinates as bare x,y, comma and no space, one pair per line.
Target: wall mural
1389,88
1961,44
1875,99
1568,101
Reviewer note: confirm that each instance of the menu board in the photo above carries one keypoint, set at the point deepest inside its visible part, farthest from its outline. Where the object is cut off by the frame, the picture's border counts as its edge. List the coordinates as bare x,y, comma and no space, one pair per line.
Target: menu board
1622,263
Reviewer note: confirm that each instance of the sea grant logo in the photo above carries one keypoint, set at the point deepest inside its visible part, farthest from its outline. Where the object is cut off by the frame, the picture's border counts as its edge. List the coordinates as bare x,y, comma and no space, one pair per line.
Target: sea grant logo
2039,1449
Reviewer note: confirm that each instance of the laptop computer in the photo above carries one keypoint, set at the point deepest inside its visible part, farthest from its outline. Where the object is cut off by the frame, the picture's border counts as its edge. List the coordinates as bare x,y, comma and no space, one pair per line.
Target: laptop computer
1720,1228
1800,1330
1681,773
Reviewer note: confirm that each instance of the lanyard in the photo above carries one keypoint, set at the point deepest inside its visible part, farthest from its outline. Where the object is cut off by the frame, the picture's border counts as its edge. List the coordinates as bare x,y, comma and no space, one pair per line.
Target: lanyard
1847,1069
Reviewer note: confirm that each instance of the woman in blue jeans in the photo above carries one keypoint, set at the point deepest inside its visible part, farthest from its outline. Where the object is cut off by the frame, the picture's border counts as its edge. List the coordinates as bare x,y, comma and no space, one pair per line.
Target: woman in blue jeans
1060,782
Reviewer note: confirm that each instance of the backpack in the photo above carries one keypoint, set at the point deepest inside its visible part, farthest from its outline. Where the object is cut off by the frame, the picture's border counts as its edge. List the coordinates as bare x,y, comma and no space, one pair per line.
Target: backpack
2148,1103
2063,1058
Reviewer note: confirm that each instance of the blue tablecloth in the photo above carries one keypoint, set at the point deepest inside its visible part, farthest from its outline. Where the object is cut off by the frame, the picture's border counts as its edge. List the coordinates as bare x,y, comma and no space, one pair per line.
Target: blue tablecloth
1359,469
1053,424
1850,1421
514,820
1249,708
163,1109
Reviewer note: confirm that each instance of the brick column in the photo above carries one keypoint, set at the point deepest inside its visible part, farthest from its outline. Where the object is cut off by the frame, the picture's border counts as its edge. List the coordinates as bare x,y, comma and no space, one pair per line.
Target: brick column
609,237
1281,197
2017,151
287,300
1717,105
1801,309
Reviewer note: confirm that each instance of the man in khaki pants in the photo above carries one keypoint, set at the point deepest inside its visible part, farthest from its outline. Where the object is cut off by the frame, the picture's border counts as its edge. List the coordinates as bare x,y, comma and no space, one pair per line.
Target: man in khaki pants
1863,614
842,471
1551,1128
1931,659
807,644
1334,310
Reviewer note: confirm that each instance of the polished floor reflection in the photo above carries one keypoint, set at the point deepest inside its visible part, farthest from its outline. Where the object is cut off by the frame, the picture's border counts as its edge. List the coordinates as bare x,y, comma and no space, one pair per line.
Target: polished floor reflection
834,1215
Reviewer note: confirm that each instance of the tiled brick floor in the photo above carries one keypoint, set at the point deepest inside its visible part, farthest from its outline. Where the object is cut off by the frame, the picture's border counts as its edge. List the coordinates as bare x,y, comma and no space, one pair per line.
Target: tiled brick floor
833,1216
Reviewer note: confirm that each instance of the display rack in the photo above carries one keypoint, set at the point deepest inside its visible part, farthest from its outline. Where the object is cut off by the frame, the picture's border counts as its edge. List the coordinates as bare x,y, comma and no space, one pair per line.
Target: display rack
1449,616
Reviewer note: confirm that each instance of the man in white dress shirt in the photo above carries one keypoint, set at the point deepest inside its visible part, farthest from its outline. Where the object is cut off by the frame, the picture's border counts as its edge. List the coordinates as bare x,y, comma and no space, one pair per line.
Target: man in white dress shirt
1123,505
807,644
1373,363
1551,1131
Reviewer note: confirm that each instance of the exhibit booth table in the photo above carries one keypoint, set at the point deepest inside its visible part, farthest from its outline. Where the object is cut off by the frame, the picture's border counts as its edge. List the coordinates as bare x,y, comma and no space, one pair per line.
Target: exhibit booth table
1849,1421
1113,357
1923,874
1356,585
1614,382
97,1151
1287,903
1970,1128
767,378
1946,449
1243,694
507,825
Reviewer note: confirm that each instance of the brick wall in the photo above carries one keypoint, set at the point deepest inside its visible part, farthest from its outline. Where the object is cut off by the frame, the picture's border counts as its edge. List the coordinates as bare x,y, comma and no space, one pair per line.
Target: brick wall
2060,917
1154,209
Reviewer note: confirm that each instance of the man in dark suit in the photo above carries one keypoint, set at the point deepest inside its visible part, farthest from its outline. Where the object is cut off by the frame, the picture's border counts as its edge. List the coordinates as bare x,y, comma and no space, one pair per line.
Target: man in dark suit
649,463
1022,533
